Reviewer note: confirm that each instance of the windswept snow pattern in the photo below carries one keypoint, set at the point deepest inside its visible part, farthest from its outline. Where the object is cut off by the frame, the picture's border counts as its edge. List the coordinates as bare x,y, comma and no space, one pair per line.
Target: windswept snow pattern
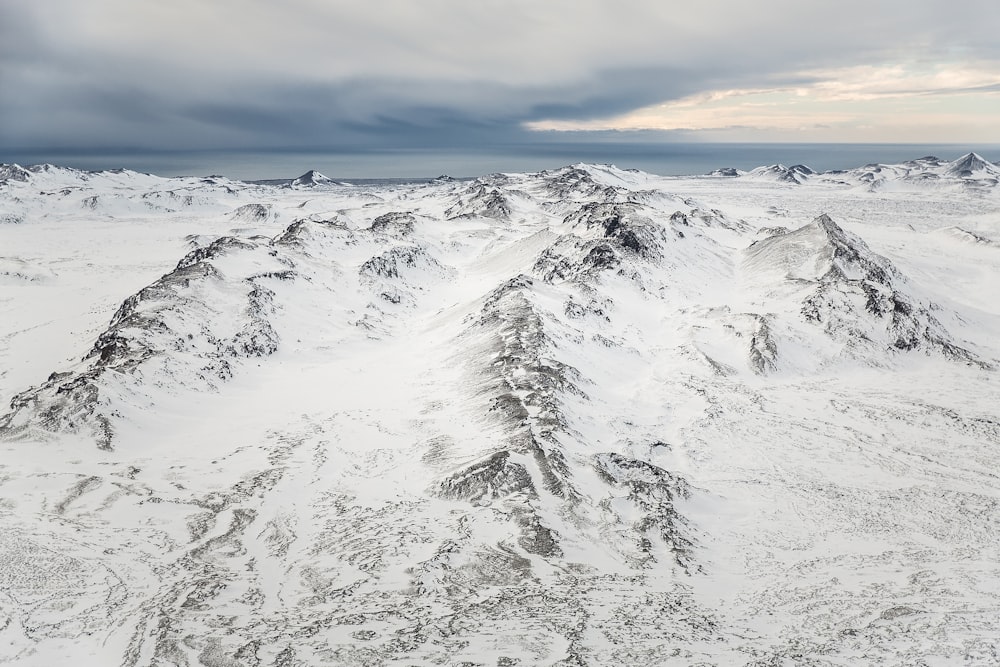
587,416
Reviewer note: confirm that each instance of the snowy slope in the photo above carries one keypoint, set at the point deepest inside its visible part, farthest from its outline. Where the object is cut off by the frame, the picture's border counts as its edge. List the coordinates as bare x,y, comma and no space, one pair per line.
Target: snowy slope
587,416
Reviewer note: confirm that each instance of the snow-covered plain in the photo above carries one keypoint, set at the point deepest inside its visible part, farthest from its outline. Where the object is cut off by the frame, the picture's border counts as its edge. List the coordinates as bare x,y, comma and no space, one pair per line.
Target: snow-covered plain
588,416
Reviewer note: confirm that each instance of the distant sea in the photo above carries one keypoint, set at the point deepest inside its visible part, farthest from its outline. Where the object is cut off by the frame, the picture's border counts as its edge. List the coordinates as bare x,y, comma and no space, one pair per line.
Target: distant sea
654,157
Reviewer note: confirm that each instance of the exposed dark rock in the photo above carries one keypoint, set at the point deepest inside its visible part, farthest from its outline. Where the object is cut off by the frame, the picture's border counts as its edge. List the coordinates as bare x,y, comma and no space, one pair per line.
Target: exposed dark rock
843,267
301,233
622,224
763,349
13,172
576,259
396,261
217,248
654,492
252,213
494,477
481,200
395,223
570,182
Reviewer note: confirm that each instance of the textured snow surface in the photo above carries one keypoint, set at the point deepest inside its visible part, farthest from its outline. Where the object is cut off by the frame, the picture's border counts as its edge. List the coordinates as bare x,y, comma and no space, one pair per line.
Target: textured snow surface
587,416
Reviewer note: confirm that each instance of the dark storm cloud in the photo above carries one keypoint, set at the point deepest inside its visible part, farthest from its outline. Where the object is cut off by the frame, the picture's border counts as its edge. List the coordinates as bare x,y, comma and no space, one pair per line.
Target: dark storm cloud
396,73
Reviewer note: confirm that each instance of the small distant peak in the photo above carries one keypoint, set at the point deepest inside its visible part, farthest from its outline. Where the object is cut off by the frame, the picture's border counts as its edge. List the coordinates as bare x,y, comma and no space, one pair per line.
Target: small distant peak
47,168
569,169
969,164
728,172
801,169
312,177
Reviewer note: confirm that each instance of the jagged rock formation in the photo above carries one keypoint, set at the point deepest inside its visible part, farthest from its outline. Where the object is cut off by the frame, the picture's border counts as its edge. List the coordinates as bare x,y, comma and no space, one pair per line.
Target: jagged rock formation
13,172
482,198
399,223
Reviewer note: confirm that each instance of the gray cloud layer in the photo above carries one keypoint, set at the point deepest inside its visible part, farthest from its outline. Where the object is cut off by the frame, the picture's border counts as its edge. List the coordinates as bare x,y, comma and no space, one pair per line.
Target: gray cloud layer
397,73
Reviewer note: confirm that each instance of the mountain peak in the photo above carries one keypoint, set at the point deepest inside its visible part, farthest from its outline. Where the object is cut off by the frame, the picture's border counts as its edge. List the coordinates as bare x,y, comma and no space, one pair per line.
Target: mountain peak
970,164
312,177
819,251
797,174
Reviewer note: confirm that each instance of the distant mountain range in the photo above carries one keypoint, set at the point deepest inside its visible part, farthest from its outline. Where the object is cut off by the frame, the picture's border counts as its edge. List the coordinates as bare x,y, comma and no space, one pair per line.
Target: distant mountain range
970,168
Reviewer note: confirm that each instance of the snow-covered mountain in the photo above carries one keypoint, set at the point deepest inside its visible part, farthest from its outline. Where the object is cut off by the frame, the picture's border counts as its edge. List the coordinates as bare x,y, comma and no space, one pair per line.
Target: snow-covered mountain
798,173
311,177
970,171
972,165
587,416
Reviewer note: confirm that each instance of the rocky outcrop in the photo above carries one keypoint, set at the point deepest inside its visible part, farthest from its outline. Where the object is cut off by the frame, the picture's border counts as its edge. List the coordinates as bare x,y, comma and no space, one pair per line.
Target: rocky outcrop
855,295
186,332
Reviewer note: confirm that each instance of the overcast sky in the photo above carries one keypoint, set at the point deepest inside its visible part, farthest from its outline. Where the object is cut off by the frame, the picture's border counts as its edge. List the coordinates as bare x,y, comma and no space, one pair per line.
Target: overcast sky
377,74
